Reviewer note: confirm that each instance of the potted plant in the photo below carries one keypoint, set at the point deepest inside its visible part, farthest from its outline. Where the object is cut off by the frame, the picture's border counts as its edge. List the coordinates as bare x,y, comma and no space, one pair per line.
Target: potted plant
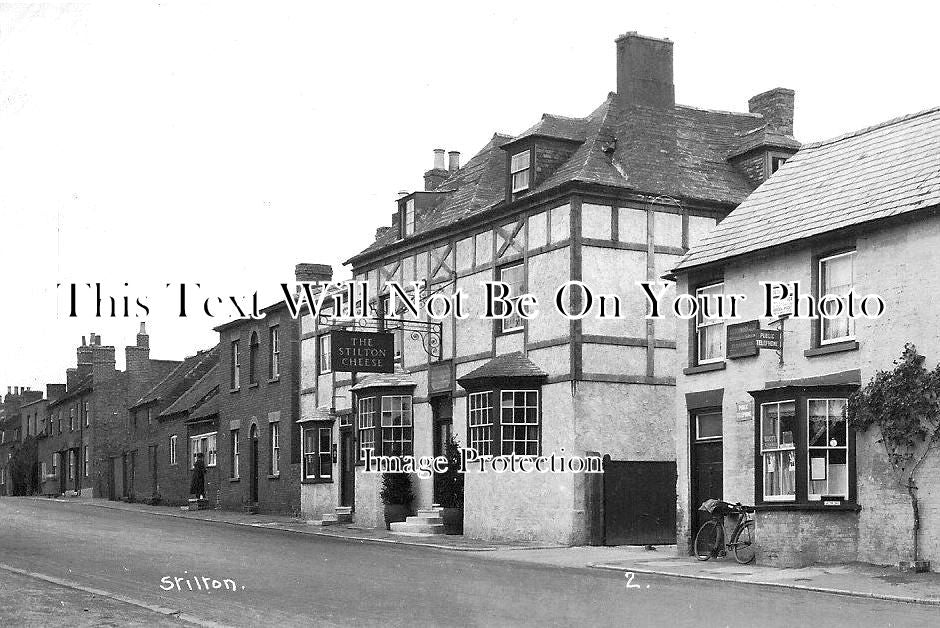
397,497
450,490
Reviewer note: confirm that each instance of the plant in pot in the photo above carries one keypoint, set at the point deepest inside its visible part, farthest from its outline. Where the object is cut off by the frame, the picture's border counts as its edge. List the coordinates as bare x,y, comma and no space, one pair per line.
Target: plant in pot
397,497
450,490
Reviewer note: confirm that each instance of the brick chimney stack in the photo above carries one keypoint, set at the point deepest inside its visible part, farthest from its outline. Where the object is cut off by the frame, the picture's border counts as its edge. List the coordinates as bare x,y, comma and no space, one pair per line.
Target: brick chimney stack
644,71
776,105
453,161
306,272
434,177
137,358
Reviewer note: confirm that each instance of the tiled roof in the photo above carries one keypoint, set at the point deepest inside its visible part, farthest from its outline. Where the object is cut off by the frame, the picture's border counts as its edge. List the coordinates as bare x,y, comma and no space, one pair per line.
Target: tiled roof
507,365
683,152
386,380
472,189
82,386
198,393
877,172
560,127
182,377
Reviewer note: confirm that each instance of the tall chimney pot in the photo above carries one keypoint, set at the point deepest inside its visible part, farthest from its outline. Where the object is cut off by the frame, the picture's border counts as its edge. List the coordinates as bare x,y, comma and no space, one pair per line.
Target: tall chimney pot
453,162
439,158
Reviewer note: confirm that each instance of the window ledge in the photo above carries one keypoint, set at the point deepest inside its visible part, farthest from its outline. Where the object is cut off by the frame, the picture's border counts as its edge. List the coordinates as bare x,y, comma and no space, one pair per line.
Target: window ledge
274,476
234,479
806,506
704,368
274,380
255,385
317,481
234,390
836,347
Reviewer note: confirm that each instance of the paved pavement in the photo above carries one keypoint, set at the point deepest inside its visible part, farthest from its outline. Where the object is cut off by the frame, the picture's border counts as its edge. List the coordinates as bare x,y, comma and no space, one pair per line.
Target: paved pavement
284,578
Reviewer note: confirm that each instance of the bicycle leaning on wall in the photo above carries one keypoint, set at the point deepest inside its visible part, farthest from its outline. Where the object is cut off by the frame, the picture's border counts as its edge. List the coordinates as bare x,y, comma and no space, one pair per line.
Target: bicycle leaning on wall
710,539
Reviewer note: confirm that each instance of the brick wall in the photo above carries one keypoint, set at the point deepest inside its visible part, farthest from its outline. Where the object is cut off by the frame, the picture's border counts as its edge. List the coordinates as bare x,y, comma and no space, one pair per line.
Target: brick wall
256,405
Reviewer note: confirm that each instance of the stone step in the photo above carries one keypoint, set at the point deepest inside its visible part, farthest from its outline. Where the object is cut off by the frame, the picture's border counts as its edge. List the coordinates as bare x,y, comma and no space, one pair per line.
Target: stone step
343,510
430,512
425,519
332,518
407,527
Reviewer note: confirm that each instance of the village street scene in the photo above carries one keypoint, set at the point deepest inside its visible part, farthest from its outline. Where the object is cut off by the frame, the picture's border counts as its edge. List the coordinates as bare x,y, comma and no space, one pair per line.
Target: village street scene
648,363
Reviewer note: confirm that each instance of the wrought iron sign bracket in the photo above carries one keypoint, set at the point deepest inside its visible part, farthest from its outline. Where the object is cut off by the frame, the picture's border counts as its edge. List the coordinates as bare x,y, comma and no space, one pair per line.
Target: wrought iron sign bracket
430,333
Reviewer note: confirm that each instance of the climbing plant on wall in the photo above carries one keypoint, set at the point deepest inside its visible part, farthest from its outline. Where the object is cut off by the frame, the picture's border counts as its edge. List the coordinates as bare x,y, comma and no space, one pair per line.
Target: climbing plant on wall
904,403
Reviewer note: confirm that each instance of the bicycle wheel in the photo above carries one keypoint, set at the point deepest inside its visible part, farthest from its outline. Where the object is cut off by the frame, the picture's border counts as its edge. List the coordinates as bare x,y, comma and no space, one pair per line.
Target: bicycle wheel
742,543
708,540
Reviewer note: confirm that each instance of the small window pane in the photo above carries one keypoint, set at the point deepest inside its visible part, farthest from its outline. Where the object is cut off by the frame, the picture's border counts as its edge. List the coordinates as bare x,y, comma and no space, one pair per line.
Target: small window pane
708,425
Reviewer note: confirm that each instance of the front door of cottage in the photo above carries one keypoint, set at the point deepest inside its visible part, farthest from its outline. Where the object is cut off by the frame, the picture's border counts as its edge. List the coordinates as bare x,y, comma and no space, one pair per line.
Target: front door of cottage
347,471
253,459
442,410
706,465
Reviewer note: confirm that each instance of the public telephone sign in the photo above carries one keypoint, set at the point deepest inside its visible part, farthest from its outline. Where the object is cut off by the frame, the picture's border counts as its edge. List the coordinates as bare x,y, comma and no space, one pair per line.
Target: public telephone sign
362,352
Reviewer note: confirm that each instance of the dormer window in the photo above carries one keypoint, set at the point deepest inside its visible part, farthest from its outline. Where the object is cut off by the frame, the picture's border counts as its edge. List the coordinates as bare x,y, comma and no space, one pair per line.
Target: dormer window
776,162
408,219
519,171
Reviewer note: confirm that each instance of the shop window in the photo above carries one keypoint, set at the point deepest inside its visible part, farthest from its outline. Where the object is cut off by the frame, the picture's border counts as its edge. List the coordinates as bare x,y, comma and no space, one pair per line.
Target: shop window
805,449
827,448
778,450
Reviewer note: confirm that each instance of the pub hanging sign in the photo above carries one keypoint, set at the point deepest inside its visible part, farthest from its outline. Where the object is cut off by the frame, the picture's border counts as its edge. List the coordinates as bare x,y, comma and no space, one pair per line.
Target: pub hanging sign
362,352
747,339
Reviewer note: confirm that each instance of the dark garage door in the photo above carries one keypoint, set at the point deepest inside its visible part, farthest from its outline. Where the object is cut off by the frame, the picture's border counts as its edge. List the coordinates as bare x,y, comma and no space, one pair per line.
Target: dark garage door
639,503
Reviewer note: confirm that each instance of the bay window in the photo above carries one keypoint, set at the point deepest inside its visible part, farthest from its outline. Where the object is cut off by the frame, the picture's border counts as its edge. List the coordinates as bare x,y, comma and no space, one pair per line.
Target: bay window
827,451
365,421
804,447
397,429
511,426
778,450
480,421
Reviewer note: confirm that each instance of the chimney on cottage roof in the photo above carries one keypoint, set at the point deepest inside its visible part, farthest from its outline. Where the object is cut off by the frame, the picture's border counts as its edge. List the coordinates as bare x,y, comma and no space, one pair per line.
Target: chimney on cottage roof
306,272
644,71
436,175
453,160
776,105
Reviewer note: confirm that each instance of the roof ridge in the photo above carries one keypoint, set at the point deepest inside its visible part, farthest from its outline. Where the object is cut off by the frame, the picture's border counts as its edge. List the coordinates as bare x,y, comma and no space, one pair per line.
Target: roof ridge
869,129
724,111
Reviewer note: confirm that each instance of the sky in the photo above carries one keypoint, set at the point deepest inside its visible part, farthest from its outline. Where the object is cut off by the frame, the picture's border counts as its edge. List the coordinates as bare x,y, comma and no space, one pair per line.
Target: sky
147,143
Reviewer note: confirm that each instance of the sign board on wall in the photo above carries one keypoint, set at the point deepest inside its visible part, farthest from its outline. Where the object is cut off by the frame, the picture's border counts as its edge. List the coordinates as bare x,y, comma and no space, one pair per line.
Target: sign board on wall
745,410
362,352
747,339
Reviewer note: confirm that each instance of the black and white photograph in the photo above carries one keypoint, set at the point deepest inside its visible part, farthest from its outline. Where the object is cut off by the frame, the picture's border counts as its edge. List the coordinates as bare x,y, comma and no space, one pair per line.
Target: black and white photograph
469,314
